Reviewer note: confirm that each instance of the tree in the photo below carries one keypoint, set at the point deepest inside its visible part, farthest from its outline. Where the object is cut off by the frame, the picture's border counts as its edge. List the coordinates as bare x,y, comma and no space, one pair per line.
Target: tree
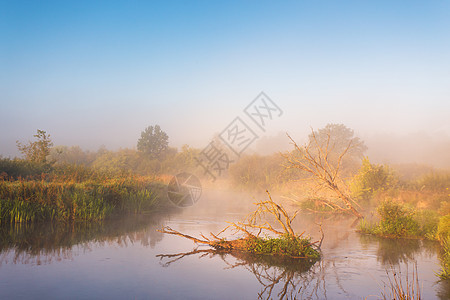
320,159
38,150
153,142
336,138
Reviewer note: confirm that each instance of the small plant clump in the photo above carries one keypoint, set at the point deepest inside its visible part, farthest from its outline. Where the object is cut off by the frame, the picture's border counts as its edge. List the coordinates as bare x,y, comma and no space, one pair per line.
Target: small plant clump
395,221
399,221
284,245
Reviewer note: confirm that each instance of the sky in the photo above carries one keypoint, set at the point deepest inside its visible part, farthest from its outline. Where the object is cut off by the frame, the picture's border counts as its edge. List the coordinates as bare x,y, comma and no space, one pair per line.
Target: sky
95,73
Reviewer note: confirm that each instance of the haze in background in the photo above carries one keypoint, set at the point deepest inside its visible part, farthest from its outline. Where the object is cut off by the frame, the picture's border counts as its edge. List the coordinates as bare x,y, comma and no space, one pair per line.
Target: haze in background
95,74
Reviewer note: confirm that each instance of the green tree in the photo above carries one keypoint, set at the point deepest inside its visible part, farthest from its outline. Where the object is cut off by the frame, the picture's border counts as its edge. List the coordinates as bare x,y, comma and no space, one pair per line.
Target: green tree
153,142
372,178
338,137
38,150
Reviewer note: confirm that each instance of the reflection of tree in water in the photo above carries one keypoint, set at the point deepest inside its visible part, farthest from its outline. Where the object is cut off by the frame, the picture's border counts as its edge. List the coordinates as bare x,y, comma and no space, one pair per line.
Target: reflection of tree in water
393,251
280,277
46,242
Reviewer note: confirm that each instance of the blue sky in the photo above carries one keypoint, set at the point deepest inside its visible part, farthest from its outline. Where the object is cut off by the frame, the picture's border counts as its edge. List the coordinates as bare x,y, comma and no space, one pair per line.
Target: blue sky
97,73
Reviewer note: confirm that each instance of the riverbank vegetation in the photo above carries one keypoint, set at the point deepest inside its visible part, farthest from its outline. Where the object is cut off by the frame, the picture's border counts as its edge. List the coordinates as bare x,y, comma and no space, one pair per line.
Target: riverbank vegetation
55,200
56,185
329,174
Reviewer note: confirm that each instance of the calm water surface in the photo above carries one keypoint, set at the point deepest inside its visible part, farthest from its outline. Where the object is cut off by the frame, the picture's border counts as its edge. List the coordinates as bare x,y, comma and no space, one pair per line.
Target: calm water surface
119,259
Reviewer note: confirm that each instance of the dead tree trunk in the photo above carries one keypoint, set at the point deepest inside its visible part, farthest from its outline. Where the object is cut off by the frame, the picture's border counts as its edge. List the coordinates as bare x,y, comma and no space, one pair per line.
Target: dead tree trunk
315,159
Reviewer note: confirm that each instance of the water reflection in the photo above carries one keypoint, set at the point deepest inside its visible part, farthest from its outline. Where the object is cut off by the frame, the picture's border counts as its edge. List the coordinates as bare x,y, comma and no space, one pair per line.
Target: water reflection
280,277
116,260
392,252
43,243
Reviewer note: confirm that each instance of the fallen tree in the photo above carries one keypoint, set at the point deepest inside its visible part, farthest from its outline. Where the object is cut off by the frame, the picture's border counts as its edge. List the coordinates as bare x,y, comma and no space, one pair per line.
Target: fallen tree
286,243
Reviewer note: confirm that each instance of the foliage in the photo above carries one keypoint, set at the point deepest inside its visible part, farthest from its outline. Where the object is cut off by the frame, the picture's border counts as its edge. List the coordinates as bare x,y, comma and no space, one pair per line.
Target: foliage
445,260
122,161
63,155
428,221
337,137
444,208
38,150
443,229
34,200
372,178
15,168
283,245
259,172
435,182
153,142
395,221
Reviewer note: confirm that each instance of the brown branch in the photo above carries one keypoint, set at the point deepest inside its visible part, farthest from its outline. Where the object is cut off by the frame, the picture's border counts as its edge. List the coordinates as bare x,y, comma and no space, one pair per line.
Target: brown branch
323,170
169,230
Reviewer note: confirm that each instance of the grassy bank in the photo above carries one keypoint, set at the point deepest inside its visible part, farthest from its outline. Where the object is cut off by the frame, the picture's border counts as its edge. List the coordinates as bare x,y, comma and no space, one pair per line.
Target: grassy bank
400,221
49,200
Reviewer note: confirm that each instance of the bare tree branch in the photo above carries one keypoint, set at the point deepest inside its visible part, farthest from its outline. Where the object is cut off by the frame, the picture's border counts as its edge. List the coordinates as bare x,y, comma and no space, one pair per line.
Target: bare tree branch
314,158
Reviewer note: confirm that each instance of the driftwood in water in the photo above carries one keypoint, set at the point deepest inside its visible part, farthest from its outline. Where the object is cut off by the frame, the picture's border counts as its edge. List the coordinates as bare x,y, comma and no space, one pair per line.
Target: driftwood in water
289,243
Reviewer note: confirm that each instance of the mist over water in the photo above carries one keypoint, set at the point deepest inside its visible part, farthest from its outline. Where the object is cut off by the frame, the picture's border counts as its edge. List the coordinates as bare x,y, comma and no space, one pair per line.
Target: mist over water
118,259
102,104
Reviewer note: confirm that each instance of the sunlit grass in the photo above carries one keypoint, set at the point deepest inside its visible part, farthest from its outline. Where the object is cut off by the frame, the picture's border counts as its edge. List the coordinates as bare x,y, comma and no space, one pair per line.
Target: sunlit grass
445,260
400,221
283,245
40,200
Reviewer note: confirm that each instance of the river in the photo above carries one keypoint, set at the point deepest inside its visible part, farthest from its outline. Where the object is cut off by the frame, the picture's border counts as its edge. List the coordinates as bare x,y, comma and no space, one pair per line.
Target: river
120,259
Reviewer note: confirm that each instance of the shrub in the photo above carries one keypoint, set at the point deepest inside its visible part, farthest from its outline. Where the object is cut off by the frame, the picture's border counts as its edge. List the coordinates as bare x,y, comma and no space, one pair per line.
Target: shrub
15,168
443,229
397,220
372,178
434,182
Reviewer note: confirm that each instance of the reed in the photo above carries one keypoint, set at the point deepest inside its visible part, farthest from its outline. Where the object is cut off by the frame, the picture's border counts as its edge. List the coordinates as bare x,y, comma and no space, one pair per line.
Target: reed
402,289
445,260
42,200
